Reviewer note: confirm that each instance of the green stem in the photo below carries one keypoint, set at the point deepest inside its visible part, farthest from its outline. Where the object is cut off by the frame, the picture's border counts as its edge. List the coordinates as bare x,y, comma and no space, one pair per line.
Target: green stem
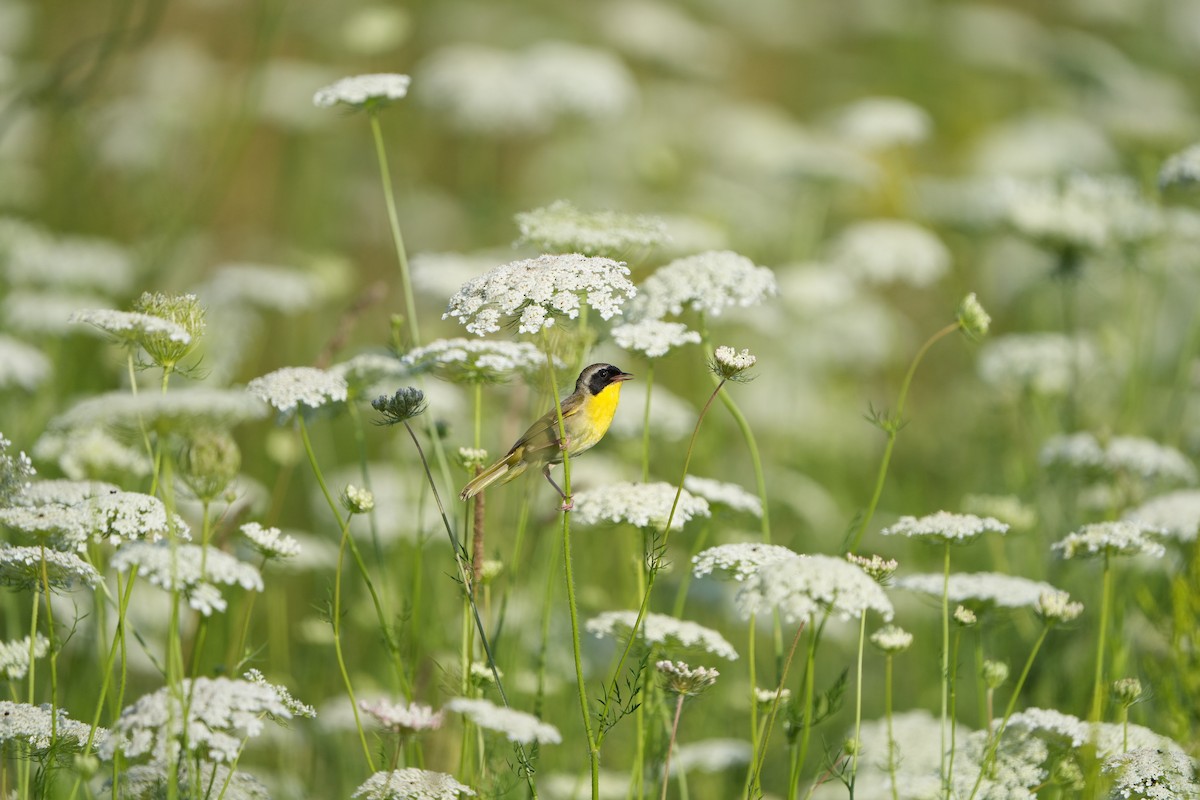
760,755
671,747
953,704
891,735
945,665
892,430
810,663
1105,602
389,198
862,639
646,424
337,641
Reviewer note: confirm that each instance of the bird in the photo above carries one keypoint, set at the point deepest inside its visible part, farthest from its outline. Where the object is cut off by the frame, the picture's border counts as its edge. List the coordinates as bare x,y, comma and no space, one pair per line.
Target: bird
587,412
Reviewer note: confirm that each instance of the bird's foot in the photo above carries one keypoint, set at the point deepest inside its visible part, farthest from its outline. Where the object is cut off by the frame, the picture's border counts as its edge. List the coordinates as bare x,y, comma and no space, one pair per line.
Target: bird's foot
564,443
568,504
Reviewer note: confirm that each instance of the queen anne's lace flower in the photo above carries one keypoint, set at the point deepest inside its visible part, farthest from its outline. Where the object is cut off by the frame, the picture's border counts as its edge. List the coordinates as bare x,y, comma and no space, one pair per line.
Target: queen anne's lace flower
663,630
517,726
1152,774
1080,211
887,251
720,493
286,389
738,561
1109,738
679,678
1056,608
1181,169
876,123
411,783
979,589
653,338
477,360
190,409
1120,538
21,365
643,505
803,585
709,282
892,639
15,472
363,91
112,517
192,569
729,364
403,718
367,373
946,527
1042,363
1177,513
64,492
131,327
270,542
32,725
711,755
562,228
281,289
14,656
21,568
537,289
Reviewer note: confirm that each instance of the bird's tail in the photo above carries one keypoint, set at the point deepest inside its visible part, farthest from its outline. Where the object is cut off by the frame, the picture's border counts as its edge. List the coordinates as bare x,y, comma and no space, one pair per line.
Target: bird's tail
503,470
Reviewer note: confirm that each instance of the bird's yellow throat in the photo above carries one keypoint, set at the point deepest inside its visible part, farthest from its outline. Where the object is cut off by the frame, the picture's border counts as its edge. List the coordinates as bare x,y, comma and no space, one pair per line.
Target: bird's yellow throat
600,408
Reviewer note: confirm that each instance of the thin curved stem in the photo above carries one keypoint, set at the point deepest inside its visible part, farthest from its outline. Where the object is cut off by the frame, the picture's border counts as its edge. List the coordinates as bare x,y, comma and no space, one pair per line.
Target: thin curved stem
671,747
389,199
945,665
1105,602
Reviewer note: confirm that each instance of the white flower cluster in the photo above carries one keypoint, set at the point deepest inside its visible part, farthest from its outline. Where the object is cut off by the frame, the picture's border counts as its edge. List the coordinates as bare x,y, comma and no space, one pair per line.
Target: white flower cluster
38,257
738,561
1080,211
221,714
653,338
730,364
286,389
517,726
152,781
562,228
661,629
680,678
34,725
877,123
1042,363
15,472
192,569
711,755
1057,607
979,589
945,526
183,410
643,505
114,517
1004,507
1119,538
281,289
536,289
21,568
366,374
892,639
360,91
803,586
1181,169
21,366
132,327
411,783
1148,460
709,282
14,656
1108,738
65,492
477,360
403,718
270,542
1153,774
82,453
720,493
886,251
1176,513
282,693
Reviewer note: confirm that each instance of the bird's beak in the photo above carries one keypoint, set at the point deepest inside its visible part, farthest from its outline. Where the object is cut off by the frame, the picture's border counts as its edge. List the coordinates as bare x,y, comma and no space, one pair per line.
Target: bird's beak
624,376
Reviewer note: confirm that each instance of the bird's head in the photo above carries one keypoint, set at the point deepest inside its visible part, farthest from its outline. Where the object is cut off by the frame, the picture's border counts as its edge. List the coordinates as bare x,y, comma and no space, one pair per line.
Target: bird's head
595,378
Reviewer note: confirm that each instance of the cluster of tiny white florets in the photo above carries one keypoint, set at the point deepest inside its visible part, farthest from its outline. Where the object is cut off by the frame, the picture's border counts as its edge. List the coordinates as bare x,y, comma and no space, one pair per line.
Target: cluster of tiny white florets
887,251
679,678
286,389
367,373
1176,513
1080,211
1042,363
876,123
643,505
537,289
517,726
1152,774
1119,538
22,366
709,282
1109,739
720,493
892,639
113,517
362,91
264,286
61,491
979,589
38,728
802,586
297,708
411,783
183,410
946,527
663,630
562,228
403,718
1057,607
21,568
477,359
270,542
879,568
15,472
729,364
738,561
14,656
132,327
653,338
192,569
221,715
1181,169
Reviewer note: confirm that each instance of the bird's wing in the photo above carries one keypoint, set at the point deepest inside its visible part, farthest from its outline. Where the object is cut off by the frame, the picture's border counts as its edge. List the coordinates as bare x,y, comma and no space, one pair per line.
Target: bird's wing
543,434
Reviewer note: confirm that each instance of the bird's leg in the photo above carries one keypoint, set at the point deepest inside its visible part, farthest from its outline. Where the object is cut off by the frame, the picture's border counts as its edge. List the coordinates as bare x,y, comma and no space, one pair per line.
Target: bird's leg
568,503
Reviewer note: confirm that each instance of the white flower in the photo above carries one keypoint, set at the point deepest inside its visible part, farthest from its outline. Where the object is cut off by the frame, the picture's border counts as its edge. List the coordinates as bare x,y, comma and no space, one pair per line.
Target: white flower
43,313
767,696
15,472
1120,538
363,91
1148,460
973,320
709,282
177,410
562,228
281,289
738,561
1152,774
946,527
367,373
1181,169
643,505
537,289
86,452
21,568
1080,211
221,714
14,656
411,783
729,364
113,517
282,694
192,569
288,388
886,251
892,639
679,678
132,327
21,365
877,123
1057,607
711,755
1176,513
660,629
151,781
720,493
1004,507
653,337
1109,738
403,718
477,360
517,726
802,586
64,492
38,258
270,542
33,726
976,589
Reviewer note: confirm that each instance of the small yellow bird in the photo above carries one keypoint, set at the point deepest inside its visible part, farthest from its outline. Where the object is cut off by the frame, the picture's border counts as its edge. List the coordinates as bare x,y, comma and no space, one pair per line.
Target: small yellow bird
587,413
